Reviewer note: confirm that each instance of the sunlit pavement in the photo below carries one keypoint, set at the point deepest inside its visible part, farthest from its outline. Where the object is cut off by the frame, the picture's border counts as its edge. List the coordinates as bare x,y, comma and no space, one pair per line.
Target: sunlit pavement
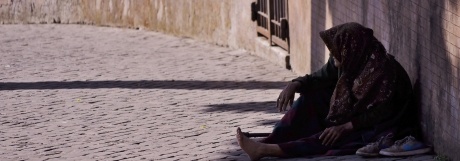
72,92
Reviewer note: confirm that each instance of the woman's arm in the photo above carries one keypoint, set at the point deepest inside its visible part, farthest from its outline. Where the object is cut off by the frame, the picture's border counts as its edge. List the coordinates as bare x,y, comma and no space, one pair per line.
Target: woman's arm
327,76
368,119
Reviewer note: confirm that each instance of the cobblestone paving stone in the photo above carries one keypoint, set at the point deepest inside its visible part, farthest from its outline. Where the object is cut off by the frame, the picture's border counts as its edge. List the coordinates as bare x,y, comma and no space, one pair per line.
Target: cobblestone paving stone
72,92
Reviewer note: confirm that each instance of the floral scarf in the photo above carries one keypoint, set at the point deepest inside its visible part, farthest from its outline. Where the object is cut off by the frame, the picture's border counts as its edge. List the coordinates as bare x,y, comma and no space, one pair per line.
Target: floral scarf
367,79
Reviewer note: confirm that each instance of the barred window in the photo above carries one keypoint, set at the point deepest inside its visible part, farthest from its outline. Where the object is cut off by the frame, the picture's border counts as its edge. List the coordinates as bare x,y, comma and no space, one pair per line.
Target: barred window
272,21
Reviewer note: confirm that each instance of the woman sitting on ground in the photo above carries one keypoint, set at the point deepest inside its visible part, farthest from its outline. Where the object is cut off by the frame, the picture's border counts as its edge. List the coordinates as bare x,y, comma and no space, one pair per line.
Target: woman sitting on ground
362,93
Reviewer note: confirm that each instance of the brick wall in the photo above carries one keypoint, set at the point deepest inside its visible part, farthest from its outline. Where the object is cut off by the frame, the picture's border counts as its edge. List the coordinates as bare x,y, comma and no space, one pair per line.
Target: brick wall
424,36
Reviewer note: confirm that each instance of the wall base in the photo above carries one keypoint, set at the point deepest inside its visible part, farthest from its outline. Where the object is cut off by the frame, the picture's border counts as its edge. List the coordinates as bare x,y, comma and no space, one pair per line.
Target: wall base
273,54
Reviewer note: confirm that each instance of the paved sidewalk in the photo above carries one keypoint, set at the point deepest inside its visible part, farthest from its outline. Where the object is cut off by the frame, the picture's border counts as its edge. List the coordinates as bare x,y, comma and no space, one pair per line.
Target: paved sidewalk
72,92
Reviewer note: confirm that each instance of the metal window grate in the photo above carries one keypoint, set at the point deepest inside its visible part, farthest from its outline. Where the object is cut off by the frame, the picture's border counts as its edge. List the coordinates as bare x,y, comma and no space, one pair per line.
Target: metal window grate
272,21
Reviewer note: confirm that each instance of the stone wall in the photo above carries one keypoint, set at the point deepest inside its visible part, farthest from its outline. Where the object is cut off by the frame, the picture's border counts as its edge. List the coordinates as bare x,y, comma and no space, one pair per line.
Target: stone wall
424,35
226,23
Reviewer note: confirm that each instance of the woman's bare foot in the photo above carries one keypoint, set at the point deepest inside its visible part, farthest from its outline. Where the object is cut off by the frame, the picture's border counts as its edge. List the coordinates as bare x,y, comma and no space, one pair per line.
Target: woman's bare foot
252,148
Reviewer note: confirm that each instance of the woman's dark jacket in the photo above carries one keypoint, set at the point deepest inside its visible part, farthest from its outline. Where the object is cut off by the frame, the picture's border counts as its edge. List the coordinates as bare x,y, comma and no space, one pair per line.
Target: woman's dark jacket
399,112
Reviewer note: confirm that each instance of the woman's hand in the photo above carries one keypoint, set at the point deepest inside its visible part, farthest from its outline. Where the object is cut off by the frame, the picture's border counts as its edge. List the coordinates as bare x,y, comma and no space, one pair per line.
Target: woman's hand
332,134
287,96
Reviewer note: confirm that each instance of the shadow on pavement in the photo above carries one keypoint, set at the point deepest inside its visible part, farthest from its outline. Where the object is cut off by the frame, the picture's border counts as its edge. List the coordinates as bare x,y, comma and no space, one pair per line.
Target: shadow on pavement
268,106
265,122
144,84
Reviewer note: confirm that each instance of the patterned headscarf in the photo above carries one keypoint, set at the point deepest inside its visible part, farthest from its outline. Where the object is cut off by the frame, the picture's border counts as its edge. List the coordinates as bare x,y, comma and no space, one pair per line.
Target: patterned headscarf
367,79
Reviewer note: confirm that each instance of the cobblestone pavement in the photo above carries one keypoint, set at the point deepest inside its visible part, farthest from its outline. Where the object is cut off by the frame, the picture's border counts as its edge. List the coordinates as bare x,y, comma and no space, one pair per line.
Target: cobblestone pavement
72,92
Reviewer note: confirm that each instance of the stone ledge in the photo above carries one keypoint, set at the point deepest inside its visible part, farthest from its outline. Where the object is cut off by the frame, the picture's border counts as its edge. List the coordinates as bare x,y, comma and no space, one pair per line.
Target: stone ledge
273,54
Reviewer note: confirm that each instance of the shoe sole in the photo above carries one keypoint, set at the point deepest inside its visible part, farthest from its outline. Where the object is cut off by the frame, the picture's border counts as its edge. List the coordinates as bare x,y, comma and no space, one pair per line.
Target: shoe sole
367,154
407,153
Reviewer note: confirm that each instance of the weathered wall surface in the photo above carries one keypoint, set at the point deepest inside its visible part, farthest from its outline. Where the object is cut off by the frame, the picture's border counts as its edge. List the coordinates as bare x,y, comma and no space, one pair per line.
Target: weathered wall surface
424,35
300,29
40,11
224,23
220,22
